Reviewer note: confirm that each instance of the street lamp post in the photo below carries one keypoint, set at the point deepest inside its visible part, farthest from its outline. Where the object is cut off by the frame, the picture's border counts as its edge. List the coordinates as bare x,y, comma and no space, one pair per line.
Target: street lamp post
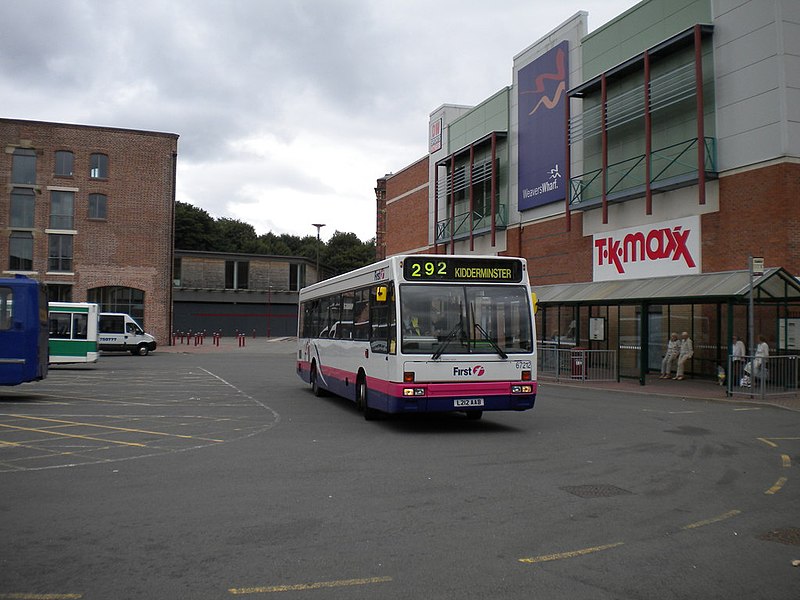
318,226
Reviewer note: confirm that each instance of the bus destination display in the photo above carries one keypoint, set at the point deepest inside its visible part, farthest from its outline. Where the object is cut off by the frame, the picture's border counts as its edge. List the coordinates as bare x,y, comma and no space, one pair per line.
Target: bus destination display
427,268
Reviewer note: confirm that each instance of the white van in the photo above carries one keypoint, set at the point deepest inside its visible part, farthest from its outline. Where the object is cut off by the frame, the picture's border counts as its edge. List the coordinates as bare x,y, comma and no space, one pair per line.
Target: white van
119,332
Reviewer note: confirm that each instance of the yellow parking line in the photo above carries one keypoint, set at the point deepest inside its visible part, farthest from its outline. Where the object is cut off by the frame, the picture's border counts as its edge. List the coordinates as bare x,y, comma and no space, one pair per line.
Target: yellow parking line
69,435
777,487
786,460
126,429
572,554
22,596
769,441
309,586
722,517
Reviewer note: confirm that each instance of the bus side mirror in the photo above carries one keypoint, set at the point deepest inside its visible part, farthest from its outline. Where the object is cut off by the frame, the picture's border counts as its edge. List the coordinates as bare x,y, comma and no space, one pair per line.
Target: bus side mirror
535,302
381,293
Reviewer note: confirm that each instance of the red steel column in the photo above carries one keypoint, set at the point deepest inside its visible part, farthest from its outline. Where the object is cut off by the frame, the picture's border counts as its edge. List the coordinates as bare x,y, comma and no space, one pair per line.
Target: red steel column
567,168
471,199
648,136
493,188
452,204
701,135
435,208
604,142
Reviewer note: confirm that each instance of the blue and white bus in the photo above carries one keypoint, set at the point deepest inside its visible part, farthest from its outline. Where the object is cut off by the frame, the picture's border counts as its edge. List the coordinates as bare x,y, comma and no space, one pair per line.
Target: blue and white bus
23,330
422,333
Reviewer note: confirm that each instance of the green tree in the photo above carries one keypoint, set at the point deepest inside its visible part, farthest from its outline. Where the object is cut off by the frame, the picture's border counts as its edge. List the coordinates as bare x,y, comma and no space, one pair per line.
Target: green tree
269,243
233,235
345,252
194,228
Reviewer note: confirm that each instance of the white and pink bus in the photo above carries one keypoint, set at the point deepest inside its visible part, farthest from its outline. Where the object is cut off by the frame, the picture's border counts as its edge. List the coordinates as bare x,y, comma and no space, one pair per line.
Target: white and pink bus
422,333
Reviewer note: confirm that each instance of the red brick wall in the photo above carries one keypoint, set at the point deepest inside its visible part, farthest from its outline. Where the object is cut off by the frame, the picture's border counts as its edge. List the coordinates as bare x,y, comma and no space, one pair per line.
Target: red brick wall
759,215
554,255
407,217
133,246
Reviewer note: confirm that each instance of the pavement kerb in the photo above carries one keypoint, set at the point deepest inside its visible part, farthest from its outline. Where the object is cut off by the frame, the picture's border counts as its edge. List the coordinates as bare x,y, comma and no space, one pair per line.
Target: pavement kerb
690,389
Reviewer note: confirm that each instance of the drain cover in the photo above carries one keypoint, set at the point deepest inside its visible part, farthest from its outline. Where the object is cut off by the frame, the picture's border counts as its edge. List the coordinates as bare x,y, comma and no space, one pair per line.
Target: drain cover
602,490
790,536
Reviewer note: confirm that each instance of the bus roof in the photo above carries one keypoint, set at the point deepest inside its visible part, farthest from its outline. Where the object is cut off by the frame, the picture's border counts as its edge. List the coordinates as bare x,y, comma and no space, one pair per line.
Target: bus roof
390,269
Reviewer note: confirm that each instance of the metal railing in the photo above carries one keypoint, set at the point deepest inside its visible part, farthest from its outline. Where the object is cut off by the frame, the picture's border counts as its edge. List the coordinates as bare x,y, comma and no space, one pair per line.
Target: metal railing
759,377
668,164
459,225
575,364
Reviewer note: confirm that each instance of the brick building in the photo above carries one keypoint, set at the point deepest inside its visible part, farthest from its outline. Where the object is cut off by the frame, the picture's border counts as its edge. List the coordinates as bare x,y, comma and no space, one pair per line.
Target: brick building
89,211
638,168
226,293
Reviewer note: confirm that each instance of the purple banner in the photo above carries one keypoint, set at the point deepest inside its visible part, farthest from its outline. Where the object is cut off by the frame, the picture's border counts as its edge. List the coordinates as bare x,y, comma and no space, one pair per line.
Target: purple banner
542,142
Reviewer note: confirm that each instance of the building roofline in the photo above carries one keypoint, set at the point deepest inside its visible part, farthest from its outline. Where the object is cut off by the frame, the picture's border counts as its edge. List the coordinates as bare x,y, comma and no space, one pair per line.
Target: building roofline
214,254
82,126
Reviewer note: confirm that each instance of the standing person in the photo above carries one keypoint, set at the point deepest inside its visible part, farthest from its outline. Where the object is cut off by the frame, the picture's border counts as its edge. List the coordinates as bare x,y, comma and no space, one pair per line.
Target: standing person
686,352
671,355
762,354
737,359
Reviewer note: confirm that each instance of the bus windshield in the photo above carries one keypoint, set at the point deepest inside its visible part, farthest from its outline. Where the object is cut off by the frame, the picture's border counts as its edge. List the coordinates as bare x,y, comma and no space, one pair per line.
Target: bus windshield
465,319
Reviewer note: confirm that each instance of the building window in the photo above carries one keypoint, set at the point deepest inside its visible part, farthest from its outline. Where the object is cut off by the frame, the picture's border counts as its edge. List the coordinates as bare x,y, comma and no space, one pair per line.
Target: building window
98,166
236,274
22,208
20,251
97,206
23,166
60,253
297,277
59,292
61,204
176,272
119,299
64,163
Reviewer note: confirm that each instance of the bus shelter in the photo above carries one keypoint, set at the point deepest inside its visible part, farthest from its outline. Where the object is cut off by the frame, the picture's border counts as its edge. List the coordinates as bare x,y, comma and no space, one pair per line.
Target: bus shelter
635,317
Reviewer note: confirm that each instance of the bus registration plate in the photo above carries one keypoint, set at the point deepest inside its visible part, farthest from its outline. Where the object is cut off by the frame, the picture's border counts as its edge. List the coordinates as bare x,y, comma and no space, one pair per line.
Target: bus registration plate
462,402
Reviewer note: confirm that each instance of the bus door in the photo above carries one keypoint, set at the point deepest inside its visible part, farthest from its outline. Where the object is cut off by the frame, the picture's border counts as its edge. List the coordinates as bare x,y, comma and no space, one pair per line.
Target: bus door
383,338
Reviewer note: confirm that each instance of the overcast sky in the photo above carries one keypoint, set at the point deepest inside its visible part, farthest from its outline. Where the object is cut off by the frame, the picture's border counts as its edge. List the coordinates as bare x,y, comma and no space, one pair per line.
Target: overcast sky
287,111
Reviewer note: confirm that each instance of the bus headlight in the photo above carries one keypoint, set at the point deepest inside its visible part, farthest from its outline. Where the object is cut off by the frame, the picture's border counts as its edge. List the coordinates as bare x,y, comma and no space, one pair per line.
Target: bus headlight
413,391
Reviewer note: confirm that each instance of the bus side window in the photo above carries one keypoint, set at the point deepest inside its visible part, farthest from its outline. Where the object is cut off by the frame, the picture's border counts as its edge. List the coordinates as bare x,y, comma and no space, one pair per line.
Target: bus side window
6,305
382,319
361,315
79,322
345,329
60,325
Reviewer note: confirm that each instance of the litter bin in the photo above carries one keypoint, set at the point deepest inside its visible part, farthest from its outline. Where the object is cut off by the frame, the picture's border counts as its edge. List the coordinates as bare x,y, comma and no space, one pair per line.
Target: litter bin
578,363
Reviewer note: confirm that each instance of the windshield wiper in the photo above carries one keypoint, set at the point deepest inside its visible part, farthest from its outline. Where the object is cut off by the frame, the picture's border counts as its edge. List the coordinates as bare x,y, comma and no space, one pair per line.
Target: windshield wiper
485,335
450,336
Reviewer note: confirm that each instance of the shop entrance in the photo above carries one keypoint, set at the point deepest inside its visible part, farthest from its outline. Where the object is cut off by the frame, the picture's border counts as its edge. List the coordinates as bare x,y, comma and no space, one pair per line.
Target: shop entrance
710,308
